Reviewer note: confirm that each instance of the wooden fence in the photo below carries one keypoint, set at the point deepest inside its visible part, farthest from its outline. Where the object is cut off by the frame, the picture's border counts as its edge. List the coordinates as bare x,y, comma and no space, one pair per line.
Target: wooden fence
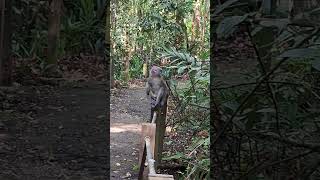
152,135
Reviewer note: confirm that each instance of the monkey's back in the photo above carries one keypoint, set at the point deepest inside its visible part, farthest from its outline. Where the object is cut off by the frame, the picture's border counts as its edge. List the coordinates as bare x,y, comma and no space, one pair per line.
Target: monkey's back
158,90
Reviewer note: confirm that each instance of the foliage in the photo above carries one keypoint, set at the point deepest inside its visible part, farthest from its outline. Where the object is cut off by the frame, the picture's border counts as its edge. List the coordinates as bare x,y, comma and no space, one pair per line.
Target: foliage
272,118
141,28
82,27
136,67
193,101
197,168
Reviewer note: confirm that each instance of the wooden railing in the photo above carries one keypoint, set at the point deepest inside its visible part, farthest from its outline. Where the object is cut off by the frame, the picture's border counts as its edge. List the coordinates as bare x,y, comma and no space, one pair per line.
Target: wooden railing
152,135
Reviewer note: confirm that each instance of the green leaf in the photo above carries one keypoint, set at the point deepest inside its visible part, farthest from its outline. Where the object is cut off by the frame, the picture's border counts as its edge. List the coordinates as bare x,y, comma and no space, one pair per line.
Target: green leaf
228,25
181,69
231,105
200,142
256,30
279,23
316,64
224,6
315,11
176,156
284,37
301,53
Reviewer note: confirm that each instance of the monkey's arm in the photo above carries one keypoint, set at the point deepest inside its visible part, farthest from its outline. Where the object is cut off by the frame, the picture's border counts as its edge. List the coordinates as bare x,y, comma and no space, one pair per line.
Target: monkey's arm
159,96
165,93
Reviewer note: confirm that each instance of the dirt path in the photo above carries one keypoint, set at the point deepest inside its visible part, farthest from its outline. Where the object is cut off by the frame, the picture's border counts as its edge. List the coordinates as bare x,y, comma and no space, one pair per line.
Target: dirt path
65,139
129,108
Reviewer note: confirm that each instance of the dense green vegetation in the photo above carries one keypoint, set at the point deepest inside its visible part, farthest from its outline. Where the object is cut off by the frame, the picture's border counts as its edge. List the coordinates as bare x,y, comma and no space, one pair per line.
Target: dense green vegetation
268,126
37,34
82,28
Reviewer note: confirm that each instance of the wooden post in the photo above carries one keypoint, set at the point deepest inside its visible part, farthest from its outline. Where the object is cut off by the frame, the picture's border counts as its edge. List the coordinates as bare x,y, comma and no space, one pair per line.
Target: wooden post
161,128
154,118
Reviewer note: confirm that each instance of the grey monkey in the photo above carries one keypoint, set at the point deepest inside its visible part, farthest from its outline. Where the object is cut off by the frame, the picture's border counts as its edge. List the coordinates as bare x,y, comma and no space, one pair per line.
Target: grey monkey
157,88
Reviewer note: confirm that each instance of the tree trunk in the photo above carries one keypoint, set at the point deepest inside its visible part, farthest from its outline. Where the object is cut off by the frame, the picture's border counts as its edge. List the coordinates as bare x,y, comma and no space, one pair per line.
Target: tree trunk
54,30
127,57
111,16
196,20
206,12
180,36
109,63
5,43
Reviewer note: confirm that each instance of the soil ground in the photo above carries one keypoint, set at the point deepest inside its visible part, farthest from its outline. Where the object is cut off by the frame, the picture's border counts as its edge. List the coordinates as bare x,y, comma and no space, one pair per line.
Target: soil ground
128,109
61,134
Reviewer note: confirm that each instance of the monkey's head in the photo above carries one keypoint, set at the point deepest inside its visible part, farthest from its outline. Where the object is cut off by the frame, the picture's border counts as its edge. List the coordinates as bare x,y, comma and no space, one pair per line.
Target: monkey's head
155,71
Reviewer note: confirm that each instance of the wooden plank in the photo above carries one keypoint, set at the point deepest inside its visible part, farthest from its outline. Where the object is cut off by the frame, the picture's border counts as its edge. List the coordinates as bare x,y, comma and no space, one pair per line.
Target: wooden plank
160,177
150,156
147,129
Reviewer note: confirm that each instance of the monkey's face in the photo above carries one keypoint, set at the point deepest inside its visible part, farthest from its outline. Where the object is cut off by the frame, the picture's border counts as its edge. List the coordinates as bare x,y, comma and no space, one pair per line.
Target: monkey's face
155,71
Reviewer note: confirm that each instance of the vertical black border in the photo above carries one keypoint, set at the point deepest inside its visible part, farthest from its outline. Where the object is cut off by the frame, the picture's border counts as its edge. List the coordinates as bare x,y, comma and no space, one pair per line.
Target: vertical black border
107,59
212,41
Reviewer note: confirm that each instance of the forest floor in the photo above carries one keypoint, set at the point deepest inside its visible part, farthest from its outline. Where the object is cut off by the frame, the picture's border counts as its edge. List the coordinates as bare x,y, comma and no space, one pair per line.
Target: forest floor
54,133
55,129
128,109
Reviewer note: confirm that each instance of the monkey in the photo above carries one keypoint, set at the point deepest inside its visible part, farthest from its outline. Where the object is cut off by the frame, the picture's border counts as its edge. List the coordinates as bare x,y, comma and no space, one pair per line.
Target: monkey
158,90
157,87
